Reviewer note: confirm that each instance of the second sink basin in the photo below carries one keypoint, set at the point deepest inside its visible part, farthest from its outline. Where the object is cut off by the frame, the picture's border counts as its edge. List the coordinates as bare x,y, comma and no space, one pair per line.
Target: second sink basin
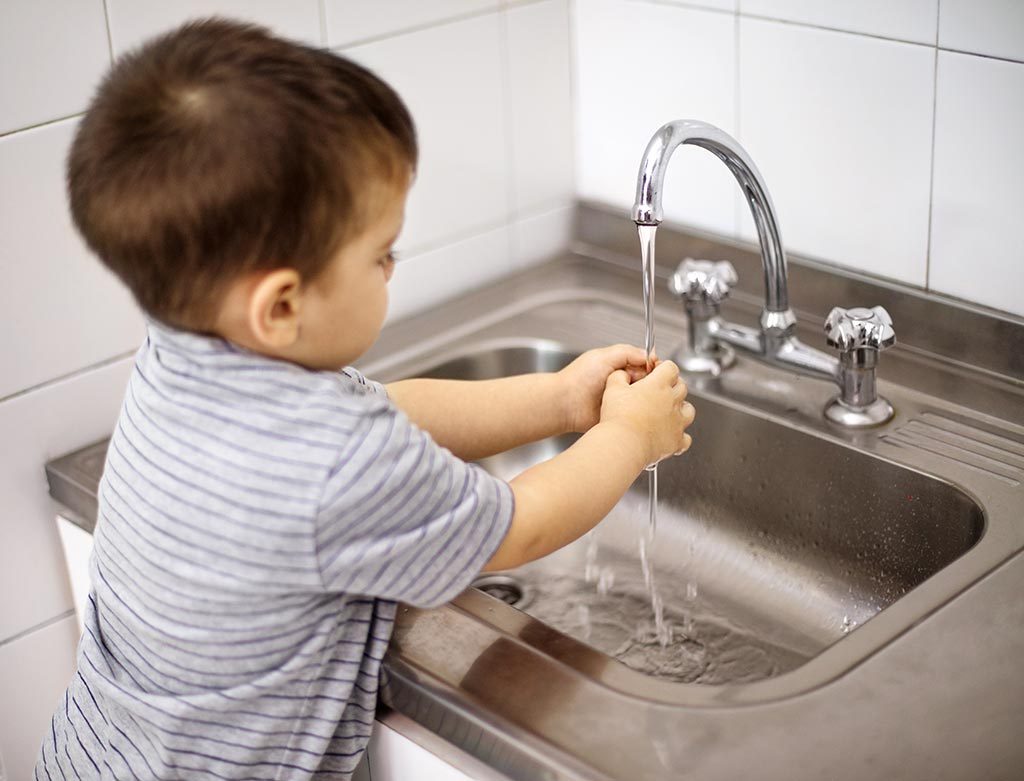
771,545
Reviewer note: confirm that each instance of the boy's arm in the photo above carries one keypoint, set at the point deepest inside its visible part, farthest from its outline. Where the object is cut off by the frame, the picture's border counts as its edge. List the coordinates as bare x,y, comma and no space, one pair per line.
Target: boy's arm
559,500
480,418
476,419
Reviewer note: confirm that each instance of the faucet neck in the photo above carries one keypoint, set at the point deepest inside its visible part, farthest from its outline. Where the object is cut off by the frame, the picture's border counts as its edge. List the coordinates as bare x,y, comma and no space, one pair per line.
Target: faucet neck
647,209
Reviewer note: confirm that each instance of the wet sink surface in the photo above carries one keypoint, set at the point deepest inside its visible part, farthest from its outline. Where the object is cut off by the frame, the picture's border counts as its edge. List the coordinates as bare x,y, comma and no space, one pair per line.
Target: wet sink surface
772,544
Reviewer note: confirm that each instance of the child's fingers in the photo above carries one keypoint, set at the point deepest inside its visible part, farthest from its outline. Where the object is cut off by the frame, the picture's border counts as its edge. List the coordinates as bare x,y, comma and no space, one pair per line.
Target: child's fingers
666,371
687,441
617,379
636,372
689,413
626,355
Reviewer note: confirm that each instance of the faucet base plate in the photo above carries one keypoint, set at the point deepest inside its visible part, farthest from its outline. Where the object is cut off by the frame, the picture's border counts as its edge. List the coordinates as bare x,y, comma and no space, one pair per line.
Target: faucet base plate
712,364
874,414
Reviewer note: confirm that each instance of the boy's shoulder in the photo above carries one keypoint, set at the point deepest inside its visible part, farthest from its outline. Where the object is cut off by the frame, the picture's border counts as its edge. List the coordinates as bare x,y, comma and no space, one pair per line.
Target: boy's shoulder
212,387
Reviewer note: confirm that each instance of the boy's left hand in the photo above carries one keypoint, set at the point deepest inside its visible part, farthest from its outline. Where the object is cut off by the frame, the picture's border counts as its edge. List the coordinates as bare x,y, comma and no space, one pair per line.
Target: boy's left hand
584,381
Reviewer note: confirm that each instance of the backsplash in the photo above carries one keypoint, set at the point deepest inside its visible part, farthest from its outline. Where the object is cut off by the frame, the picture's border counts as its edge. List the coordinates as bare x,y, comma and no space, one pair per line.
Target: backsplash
888,132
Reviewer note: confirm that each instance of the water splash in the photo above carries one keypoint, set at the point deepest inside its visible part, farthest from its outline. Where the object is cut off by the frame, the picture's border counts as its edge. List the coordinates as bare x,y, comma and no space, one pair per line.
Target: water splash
712,652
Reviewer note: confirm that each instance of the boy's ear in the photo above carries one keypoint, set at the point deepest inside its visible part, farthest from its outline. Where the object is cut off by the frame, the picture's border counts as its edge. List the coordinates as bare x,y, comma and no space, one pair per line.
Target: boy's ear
275,304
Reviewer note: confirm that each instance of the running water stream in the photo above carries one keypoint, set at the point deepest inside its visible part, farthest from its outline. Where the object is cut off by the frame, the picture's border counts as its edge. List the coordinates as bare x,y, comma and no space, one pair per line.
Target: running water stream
663,631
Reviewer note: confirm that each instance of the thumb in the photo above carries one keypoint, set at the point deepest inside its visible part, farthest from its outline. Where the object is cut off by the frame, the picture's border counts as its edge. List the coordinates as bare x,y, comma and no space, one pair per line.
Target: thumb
617,379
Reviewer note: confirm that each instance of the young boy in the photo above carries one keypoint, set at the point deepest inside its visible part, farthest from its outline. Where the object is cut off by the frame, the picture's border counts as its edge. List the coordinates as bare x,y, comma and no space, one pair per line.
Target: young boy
263,507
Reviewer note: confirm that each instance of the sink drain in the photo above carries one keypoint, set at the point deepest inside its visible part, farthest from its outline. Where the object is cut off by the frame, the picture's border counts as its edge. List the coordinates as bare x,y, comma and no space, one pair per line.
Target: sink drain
506,588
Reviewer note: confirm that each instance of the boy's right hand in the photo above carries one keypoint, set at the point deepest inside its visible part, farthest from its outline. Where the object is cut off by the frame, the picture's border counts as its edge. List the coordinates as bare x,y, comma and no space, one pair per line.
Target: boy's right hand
653,408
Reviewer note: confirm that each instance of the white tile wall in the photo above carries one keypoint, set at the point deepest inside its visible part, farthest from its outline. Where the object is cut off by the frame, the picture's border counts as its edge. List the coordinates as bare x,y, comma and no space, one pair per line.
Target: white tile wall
34,671
133,21
68,311
349,21
840,126
450,76
907,20
63,45
541,236
539,105
977,248
993,27
36,427
424,279
638,66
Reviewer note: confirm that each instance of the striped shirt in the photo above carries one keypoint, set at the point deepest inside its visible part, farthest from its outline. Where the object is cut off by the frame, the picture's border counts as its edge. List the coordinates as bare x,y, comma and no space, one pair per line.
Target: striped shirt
257,524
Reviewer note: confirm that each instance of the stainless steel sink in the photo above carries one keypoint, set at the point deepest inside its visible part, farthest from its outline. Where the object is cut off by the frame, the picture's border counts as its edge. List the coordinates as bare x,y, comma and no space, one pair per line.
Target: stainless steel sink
814,552
771,544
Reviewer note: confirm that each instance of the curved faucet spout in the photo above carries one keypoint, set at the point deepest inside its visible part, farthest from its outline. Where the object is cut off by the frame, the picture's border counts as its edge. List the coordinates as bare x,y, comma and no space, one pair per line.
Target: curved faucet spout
777,319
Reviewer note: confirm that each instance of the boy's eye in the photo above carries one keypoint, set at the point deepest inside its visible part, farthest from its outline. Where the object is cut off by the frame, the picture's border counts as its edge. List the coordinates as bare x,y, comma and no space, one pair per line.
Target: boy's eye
388,259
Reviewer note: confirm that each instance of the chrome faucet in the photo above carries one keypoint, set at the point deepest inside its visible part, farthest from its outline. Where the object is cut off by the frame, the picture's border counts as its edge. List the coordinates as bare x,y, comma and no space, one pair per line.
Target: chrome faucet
858,333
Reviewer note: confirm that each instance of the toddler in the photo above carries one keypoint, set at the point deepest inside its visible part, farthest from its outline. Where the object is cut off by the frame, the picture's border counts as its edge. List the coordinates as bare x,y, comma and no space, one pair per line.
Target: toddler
264,507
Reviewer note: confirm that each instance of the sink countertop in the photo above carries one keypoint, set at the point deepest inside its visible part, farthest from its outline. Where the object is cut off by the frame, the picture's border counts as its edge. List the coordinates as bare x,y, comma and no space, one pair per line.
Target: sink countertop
944,699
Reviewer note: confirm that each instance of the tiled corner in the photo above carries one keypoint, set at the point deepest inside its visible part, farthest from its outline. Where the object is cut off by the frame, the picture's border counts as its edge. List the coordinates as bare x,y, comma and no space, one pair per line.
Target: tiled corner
992,27
68,311
134,21
450,78
350,21
427,279
905,20
977,246
840,126
540,104
37,427
638,66
34,673
59,50
540,237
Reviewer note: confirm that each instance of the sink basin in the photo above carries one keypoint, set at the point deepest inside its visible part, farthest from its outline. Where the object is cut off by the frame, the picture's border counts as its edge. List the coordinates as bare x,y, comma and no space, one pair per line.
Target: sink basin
771,544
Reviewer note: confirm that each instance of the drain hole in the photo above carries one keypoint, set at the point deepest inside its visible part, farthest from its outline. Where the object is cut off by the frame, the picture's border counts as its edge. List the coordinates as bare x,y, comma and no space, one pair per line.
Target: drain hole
506,588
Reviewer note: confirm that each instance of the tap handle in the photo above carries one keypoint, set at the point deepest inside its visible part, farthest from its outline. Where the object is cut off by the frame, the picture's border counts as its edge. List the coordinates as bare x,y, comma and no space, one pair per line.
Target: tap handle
859,328
704,281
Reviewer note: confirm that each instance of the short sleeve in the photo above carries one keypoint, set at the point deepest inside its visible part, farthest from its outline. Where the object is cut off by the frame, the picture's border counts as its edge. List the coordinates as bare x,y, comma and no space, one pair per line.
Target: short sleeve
360,378
402,518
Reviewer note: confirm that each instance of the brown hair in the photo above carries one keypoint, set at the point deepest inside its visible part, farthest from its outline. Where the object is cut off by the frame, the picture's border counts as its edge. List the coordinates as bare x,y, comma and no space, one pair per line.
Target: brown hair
218,149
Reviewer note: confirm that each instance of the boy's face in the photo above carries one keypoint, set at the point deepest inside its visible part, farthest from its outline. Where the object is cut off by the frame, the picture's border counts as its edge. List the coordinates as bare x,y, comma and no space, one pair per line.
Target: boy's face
329,322
343,310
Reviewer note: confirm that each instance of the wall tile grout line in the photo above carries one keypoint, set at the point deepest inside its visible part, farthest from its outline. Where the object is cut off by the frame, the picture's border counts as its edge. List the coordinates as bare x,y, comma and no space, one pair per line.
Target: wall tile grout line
966,53
690,6
38,125
397,33
511,195
110,38
69,375
738,203
791,22
931,167
321,7
411,253
572,10
42,625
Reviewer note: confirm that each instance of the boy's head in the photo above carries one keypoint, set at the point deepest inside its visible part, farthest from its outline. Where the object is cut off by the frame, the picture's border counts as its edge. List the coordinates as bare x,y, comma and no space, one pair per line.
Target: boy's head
248,186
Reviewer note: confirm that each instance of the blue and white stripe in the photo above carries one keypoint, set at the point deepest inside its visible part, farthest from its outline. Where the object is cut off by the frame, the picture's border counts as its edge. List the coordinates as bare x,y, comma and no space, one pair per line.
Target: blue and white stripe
257,524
